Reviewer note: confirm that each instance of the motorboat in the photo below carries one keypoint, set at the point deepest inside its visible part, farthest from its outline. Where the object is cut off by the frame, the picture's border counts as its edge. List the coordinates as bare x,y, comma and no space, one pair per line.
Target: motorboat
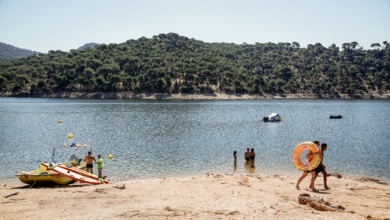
336,117
273,117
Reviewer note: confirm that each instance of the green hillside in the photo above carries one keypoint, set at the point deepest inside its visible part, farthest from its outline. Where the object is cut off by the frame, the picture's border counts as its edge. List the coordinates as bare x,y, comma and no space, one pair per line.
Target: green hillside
9,52
170,63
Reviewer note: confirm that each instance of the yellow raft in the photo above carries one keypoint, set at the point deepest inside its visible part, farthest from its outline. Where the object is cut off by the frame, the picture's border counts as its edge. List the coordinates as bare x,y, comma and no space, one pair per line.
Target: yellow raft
43,176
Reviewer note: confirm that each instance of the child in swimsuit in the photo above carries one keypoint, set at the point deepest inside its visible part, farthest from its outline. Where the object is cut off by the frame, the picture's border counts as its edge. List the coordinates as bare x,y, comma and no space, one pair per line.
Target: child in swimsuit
99,163
235,158
252,156
247,156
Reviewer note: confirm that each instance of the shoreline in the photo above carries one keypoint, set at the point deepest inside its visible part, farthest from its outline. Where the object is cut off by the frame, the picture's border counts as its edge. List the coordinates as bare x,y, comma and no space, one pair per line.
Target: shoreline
295,173
208,196
192,96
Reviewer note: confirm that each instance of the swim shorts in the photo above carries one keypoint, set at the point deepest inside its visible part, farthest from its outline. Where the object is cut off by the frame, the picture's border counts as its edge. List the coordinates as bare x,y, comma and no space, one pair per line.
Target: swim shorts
319,169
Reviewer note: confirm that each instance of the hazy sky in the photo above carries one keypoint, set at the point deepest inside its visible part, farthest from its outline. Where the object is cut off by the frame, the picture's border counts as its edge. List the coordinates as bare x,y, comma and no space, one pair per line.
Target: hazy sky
44,25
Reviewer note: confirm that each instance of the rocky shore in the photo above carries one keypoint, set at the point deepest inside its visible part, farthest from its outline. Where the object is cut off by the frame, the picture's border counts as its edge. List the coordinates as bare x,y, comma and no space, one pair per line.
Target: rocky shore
190,96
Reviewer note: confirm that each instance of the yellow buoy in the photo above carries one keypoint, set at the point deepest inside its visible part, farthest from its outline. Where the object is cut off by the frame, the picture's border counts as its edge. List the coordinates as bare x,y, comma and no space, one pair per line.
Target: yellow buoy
110,156
70,135
60,121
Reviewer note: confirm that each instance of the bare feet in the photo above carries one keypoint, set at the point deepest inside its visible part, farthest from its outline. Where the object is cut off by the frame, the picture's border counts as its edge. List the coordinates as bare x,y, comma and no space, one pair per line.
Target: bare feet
297,187
314,189
326,188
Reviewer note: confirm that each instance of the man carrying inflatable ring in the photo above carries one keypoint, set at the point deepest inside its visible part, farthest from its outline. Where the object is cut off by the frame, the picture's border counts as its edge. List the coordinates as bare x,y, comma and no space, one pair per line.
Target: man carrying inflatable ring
313,163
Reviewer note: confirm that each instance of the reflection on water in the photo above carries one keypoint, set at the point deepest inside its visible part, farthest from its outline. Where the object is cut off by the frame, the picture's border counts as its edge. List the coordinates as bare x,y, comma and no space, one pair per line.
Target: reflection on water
234,169
249,168
176,138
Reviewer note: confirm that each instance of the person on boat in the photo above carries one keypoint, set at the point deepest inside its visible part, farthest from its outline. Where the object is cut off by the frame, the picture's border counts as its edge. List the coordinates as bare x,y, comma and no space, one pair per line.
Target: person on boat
309,157
247,156
89,159
252,156
99,163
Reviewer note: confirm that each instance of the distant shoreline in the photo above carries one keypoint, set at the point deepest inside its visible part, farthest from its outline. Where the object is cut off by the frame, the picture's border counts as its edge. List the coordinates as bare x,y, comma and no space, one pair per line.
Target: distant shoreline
192,96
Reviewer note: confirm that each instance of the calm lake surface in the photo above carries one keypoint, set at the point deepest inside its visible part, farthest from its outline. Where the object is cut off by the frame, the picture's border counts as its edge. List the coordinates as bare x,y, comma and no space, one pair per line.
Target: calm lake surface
164,138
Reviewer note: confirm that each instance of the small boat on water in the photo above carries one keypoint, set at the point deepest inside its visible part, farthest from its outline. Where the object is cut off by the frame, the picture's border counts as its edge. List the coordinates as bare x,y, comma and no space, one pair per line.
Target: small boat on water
336,117
44,176
273,117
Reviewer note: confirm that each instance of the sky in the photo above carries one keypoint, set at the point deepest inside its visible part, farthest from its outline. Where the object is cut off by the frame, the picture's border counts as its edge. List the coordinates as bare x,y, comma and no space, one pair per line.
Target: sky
44,25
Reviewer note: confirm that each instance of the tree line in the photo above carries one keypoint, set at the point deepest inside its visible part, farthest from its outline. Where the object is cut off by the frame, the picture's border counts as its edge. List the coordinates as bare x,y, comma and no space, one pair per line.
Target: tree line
170,63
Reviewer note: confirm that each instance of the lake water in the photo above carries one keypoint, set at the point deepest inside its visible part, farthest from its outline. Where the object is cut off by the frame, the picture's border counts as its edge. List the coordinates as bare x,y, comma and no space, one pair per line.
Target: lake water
164,138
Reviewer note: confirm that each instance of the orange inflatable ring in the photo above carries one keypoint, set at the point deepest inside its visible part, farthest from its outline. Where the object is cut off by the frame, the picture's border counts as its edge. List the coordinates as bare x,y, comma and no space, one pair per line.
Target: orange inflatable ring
299,156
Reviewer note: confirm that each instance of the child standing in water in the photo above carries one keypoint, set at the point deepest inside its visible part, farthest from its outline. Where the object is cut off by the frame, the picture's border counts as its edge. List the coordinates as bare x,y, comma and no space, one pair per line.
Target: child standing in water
252,156
235,158
99,163
247,156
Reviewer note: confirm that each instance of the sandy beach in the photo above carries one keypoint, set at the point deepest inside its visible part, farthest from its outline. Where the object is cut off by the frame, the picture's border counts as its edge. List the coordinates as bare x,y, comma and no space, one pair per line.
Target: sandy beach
210,196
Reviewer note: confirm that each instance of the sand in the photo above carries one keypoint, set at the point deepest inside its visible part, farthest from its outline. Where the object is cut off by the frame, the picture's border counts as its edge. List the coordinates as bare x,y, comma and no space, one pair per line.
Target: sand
211,196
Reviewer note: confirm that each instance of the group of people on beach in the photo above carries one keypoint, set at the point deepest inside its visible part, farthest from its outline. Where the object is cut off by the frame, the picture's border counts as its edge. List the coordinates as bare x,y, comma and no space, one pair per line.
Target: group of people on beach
250,156
89,159
314,173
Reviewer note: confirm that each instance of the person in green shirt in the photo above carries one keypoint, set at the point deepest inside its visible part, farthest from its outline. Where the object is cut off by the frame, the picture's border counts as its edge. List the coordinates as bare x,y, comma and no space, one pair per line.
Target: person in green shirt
99,163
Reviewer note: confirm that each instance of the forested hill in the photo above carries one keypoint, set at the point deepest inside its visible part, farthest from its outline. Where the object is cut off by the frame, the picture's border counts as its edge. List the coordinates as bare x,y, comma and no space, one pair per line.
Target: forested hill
88,45
169,63
9,52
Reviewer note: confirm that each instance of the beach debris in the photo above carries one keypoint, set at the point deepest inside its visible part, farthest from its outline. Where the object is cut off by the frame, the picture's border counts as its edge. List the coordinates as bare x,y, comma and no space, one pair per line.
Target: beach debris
103,191
318,203
218,176
167,208
120,186
370,179
335,174
12,194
